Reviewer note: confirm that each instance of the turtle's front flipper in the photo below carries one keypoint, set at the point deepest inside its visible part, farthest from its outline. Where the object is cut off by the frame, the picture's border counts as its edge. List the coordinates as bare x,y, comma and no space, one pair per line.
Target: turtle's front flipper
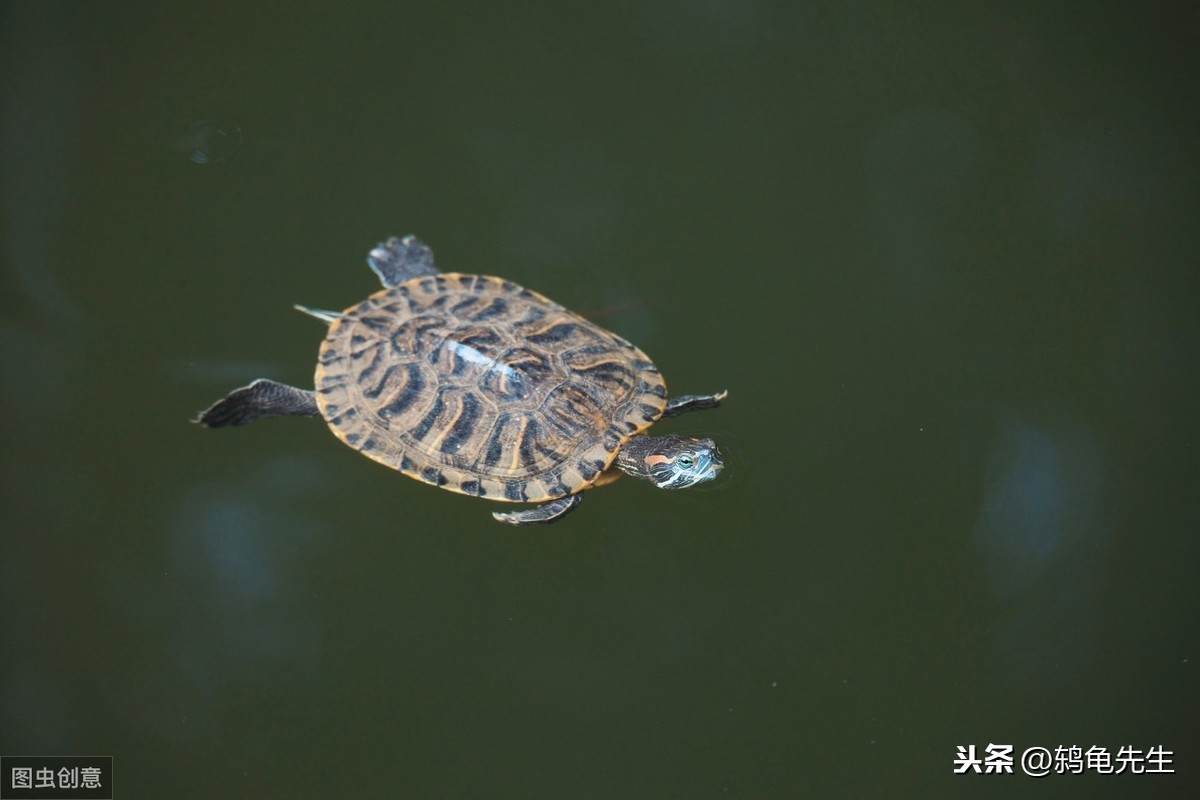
543,514
263,398
398,260
693,402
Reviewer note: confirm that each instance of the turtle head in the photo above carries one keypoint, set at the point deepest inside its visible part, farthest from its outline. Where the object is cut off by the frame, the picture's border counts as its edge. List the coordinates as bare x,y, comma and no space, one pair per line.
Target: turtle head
670,462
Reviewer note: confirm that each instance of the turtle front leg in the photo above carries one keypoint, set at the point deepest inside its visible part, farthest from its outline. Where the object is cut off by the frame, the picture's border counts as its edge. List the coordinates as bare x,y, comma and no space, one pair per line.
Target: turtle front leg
692,402
263,398
543,514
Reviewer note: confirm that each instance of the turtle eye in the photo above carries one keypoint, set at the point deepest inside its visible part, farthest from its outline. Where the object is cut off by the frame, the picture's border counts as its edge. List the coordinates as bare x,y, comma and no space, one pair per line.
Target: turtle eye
686,461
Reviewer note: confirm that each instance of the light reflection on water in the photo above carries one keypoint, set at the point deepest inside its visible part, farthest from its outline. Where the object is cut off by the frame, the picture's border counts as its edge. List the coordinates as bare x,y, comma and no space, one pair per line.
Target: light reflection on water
1044,534
235,590
209,142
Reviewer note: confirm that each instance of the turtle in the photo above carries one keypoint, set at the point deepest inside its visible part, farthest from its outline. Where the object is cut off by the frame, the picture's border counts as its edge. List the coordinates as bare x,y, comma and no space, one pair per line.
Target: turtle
480,386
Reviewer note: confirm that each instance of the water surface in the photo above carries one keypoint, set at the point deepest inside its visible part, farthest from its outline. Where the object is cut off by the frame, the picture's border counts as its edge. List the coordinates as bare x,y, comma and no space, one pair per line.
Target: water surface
943,262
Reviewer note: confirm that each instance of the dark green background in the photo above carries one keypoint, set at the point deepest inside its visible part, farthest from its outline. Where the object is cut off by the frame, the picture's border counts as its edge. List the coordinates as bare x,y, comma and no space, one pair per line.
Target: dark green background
943,258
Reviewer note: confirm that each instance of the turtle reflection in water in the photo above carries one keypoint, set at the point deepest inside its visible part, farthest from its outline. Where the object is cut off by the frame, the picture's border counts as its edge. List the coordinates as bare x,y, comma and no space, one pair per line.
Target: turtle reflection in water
479,386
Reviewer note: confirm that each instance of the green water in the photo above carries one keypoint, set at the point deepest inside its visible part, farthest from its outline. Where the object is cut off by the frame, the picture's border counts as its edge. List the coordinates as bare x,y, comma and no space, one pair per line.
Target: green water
943,259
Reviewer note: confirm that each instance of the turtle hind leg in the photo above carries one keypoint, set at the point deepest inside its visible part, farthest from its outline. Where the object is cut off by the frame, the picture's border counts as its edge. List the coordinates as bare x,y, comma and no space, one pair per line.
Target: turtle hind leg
543,514
398,260
693,402
263,398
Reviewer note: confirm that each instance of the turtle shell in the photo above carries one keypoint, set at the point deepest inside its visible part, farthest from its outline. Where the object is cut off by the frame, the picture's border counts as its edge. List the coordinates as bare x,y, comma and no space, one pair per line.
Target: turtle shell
479,386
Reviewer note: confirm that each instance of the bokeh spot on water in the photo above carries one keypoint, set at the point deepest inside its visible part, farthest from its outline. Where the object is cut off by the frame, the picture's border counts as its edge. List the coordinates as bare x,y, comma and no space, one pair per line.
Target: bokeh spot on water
210,141
1043,533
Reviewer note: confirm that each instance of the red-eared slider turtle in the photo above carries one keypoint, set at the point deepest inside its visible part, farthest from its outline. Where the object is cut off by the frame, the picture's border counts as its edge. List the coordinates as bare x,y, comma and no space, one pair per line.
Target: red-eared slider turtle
479,386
